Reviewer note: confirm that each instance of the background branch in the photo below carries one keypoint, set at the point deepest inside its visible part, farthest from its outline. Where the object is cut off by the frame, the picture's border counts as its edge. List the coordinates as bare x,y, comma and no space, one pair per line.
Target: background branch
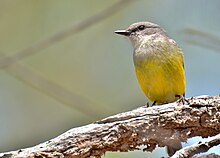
208,156
54,90
201,38
29,77
197,148
149,126
53,39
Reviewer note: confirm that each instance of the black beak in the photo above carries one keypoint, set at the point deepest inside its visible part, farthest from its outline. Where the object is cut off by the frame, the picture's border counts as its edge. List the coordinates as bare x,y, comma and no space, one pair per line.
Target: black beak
123,32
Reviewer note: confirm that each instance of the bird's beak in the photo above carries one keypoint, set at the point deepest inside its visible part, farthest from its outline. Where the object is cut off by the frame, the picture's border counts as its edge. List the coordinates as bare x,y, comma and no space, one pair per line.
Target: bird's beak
123,32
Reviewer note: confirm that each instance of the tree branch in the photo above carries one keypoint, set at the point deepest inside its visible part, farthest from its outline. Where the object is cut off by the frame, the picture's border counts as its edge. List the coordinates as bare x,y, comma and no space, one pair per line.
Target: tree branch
52,89
149,126
58,36
208,156
197,148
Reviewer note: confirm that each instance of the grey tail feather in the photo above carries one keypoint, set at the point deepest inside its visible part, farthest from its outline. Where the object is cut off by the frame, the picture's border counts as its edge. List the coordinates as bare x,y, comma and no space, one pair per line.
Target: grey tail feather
171,149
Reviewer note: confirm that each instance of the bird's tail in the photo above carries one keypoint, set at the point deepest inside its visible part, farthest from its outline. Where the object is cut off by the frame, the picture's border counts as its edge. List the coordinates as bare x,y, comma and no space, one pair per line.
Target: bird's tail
172,148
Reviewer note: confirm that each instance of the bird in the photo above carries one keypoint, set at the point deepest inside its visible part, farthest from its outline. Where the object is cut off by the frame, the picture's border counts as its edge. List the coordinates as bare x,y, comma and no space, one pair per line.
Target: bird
159,66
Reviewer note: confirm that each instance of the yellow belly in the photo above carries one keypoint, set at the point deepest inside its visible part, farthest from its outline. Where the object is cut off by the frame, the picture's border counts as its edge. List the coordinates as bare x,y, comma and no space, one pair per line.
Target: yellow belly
162,79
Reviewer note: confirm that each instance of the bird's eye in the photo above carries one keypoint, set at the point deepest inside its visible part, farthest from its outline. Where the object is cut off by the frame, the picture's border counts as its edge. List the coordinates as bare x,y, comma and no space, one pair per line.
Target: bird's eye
141,27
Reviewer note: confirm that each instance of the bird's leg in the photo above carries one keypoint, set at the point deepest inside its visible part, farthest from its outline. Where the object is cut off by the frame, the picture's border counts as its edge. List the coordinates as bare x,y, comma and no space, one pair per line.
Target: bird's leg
154,103
148,104
182,99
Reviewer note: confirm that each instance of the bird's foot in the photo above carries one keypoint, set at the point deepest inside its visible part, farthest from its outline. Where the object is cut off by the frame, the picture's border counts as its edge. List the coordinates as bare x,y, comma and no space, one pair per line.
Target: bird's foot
182,100
149,104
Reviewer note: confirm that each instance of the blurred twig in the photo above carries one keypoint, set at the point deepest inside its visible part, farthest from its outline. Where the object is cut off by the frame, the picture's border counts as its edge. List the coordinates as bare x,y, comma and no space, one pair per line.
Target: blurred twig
54,90
201,38
76,28
59,93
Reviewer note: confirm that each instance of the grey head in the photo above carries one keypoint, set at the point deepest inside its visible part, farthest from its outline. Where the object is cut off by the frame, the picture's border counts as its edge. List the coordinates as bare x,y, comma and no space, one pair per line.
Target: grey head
141,30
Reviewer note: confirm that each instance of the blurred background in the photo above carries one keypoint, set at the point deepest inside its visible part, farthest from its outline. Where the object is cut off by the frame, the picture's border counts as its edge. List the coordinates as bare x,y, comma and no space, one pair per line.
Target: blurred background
62,66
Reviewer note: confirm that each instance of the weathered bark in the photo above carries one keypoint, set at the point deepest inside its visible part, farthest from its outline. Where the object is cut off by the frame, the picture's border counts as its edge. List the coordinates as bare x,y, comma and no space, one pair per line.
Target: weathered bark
197,148
149,126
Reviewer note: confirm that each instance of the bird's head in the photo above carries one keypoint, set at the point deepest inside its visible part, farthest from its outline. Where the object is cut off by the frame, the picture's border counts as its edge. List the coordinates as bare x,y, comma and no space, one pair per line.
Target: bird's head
139,31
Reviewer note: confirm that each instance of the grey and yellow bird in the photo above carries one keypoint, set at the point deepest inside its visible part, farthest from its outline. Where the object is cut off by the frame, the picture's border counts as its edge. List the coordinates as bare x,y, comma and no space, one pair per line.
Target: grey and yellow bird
159,65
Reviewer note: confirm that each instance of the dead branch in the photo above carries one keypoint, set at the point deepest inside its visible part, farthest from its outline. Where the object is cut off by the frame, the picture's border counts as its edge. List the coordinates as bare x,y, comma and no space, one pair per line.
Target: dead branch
208,156
197,148
149,126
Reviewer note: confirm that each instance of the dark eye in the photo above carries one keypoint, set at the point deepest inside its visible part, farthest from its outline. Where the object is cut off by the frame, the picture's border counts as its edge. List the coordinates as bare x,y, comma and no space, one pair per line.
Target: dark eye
141,27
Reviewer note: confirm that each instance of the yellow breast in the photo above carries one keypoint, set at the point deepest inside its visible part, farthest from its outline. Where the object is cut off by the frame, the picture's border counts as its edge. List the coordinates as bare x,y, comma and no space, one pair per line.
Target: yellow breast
161,75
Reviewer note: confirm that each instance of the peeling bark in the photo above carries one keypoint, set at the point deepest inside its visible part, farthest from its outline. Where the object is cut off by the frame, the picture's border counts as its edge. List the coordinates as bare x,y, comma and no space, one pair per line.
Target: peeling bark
197,148
149,126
